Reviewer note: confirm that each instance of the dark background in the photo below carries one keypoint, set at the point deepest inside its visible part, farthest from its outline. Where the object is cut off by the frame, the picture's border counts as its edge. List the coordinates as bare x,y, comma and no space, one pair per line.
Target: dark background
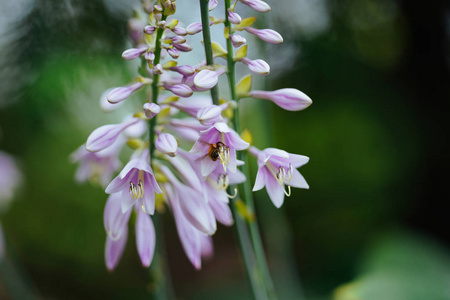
374,224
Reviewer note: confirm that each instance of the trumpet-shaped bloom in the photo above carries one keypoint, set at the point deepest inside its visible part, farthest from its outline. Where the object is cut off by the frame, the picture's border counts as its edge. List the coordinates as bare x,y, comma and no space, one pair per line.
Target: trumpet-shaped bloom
277,168
116,226
137,184
217,145
289,99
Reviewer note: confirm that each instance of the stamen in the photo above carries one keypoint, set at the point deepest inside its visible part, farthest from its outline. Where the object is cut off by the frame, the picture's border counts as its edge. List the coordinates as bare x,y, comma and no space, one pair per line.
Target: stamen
137,192
143,208
288,193
235,194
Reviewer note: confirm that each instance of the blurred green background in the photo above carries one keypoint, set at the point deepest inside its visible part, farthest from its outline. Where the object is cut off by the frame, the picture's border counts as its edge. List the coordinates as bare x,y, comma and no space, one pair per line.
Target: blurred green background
374,224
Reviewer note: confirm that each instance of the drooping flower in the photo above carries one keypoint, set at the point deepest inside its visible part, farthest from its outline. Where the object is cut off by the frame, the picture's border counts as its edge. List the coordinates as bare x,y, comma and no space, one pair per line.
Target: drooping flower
257,66
218,145
116,226
121,93
137,184
289,99
277,168
267,35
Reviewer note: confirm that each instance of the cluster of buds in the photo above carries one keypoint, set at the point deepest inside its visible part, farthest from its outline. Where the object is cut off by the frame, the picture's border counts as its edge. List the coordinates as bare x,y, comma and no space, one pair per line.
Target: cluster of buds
185,160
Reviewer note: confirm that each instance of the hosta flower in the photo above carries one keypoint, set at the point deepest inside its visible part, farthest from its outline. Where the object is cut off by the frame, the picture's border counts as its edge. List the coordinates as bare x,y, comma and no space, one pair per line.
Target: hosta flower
121,93
151,110
133,53
289,99
116,226
104,136
257,66
194,28
97,166
268,35
233,17
257,5
218,145
181,90
237,40
277,169
166,144
137,184
210,115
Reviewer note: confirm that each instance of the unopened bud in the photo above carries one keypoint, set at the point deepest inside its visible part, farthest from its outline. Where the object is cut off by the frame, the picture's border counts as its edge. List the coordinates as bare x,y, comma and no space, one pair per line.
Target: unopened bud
268,35
166,144
151,109
233,17
181,90
257,66
257,5
194,28
237,40
209,115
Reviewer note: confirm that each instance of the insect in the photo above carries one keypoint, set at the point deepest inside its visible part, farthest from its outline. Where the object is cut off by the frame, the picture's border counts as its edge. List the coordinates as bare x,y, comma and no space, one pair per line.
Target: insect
215,149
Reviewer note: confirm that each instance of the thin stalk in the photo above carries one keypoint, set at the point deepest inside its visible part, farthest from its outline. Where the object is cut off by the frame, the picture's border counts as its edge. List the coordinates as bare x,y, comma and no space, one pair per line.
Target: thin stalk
247,253
204,10
161,287
245,188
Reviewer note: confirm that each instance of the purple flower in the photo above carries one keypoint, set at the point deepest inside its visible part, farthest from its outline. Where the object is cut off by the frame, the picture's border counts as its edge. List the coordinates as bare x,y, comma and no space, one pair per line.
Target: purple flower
166,144
268,35
210,115
181,89
192,204
185,70
212,4
186,128
121,93
179,31
116,226
104,136
233,17
137,184
133,53
192,105
174,53
289,99
149,29
206,79
183,47
257,5
151,109
218,145
194,28
97,166
277,168
257,66
237,40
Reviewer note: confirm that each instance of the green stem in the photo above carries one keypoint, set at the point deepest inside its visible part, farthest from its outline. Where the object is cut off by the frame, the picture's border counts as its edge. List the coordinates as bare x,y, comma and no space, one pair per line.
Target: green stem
204,10
161,287
247,253
245,188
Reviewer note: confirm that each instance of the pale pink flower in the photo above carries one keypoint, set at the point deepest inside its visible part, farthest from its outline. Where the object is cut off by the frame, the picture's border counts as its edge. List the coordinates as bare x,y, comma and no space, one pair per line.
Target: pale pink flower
289,99
257,5
268,35
257,66
277,169
121,93
166,144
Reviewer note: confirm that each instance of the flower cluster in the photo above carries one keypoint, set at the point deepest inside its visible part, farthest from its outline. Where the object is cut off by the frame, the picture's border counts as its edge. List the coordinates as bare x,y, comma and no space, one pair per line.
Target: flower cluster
187,158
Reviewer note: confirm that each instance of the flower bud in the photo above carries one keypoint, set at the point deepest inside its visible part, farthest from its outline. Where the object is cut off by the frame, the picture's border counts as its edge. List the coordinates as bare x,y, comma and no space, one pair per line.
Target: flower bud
206,79
179,31
166,144
209,115
257,66
149,29
133,53
185,70
181,90
233,17
183,47
169,7
151,109
257,5
268,35
194,28
174,53
104,136
104,103
289,99
237,40
158,69
212,4
178,40
149,56
121,93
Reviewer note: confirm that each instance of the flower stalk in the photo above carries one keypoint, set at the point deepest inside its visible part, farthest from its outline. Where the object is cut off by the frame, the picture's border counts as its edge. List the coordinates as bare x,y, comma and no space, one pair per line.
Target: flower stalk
204,10
159,272
245,188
